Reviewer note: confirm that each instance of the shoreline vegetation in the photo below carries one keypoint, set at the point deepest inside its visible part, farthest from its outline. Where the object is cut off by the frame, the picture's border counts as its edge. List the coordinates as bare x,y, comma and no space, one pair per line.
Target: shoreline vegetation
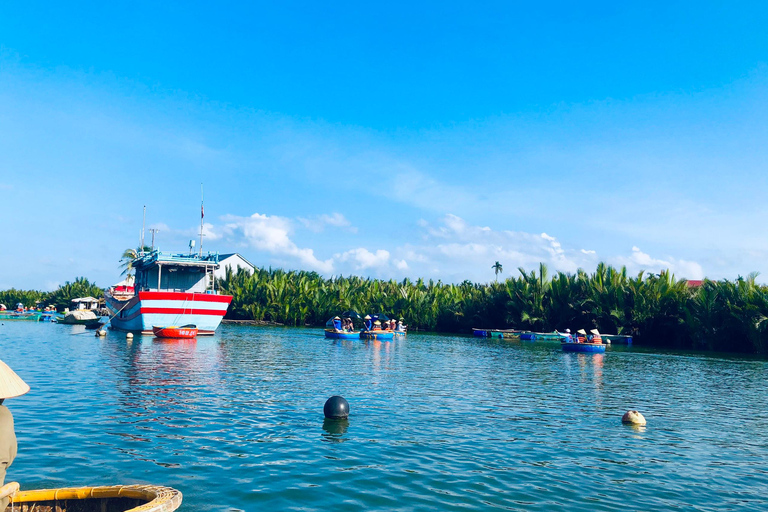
60,298
657,310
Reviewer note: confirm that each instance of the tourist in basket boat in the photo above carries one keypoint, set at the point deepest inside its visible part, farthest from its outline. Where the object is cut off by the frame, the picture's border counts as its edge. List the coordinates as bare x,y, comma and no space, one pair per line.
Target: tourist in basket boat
11,385
368,323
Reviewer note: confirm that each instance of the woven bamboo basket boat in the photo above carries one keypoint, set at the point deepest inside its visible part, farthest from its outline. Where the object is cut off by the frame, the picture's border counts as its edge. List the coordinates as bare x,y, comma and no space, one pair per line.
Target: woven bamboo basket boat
113,498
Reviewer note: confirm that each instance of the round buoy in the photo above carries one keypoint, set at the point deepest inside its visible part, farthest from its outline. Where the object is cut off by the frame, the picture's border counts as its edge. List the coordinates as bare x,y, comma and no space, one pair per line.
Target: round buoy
633,418
101,332
336,408
129,336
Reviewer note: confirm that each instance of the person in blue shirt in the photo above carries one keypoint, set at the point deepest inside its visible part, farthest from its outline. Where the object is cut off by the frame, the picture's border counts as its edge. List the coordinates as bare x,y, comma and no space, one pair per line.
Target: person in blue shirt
368,323
337,323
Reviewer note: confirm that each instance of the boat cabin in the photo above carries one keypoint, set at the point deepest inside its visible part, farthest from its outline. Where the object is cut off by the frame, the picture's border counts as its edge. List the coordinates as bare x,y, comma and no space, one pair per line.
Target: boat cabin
165,272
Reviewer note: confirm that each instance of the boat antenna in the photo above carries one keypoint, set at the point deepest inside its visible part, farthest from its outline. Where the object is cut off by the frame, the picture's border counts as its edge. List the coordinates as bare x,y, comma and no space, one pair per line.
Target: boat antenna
143,221
153,231
202,216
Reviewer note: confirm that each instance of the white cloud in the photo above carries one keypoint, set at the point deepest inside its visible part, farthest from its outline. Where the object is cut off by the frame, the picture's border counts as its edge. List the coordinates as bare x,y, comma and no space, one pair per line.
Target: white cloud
319,222
271,234
400,264
639,260
365,259
585,251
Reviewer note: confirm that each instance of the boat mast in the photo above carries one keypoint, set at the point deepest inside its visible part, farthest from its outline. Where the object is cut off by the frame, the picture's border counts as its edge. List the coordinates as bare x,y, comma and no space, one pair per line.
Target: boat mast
202,215
143,221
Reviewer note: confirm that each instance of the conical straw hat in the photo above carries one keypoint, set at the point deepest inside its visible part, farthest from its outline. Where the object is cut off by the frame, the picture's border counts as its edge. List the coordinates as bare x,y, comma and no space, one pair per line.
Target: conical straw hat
595,331
11,384
581,331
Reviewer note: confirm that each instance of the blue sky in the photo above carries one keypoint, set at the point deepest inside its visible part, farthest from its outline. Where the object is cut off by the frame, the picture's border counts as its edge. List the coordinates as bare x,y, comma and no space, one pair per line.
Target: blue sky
404,139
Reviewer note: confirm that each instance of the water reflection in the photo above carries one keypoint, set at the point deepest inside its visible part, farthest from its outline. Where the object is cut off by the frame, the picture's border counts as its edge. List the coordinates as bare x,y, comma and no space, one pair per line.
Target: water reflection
335,430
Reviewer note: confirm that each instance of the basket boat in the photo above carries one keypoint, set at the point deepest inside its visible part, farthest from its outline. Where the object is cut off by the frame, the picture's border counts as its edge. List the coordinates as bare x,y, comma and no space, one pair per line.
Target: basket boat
377,335
113,498
583,347
341,335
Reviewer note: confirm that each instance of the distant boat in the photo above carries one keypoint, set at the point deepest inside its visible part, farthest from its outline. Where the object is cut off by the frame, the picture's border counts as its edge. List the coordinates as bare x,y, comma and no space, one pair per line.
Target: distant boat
497,333
617,339
172,331
32,316
84,317
115,498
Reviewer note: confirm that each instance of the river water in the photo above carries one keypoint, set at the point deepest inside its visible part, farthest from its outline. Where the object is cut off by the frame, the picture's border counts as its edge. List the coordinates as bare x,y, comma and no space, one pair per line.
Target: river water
235,422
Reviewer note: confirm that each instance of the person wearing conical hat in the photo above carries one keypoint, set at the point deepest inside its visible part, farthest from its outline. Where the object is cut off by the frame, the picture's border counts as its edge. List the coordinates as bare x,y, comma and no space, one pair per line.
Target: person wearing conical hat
582,336
596,338
368,323
377,325
337,323
11,385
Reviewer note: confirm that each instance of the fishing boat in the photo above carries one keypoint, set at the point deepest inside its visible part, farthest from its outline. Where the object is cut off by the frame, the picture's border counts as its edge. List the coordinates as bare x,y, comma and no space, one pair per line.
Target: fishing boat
569,346
32,316
185,331
84,317
169,289
113,498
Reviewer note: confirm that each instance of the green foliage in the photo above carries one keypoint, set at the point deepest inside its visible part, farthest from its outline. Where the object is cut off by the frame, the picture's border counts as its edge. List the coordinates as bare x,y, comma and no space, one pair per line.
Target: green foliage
656,309
60,297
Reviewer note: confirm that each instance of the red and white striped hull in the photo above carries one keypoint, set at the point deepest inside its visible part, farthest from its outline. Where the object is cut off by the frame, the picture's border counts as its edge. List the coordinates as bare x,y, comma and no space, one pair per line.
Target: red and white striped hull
147,309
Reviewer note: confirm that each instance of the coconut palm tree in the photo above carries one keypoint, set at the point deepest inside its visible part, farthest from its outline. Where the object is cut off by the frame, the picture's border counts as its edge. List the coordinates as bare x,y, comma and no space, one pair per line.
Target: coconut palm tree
497,269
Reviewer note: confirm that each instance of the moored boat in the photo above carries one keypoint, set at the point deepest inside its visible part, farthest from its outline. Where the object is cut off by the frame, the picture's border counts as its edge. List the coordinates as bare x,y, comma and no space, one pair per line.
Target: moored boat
169,289
84,317
497,333
583,347
617,339
114,498
32,316
172,331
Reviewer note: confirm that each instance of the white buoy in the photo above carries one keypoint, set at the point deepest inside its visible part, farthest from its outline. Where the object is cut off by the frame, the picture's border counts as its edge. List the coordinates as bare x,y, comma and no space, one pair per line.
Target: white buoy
101,332
633,418
129,336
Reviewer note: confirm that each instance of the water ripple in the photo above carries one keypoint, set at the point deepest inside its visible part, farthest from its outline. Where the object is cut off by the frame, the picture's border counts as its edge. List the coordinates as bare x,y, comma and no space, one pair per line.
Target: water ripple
437,422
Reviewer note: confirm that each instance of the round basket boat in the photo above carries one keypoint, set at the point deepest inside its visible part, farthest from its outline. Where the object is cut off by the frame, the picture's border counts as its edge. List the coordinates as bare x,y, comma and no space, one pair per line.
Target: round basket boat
113,498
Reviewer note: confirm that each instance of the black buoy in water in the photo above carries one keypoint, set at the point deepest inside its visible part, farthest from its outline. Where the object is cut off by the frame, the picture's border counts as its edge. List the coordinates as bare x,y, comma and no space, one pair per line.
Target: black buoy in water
336,408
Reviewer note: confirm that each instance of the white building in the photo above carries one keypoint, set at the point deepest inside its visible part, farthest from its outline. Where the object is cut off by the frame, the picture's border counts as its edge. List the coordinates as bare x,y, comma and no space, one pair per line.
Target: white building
85,303
235,261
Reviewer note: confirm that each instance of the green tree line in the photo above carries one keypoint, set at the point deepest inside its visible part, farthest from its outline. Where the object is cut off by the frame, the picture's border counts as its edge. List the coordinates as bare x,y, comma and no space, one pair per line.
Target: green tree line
656,309
60,297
